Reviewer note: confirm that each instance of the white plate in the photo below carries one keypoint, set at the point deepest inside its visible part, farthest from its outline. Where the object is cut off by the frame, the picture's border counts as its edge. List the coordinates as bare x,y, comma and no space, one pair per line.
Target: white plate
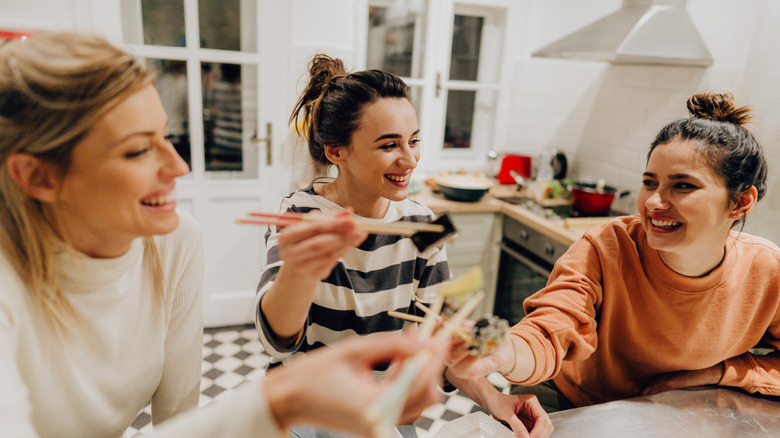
474,425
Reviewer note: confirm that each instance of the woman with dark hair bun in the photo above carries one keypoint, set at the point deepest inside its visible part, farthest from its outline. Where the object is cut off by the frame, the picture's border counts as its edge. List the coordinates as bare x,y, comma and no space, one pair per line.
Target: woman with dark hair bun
316,287
666,299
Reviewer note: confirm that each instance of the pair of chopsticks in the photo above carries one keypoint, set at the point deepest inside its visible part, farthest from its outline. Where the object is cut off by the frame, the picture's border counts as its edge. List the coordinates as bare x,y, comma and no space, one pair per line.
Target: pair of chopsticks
429,314
398,228
385,411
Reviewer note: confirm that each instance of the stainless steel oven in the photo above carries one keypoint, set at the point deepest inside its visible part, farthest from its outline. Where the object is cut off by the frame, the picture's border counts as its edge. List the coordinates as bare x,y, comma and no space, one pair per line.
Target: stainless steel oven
527,258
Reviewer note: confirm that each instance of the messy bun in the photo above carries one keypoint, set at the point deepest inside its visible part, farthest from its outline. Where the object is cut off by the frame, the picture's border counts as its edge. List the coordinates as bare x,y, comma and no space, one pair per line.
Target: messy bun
718,107
716,130
329,109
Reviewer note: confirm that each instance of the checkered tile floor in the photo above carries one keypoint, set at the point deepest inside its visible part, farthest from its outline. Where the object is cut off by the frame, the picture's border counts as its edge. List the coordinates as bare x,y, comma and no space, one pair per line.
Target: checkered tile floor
233,355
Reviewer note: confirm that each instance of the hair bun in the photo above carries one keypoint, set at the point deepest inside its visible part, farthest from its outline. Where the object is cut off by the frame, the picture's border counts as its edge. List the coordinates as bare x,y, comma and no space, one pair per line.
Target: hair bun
323,69
719,107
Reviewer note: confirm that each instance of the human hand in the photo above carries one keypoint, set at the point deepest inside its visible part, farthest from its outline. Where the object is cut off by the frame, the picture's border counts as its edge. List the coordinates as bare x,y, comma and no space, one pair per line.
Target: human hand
333,386
463,364
684,379
312,249
523,413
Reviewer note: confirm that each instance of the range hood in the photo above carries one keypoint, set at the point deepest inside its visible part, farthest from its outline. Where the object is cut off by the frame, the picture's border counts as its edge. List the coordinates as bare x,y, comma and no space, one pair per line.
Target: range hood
640,32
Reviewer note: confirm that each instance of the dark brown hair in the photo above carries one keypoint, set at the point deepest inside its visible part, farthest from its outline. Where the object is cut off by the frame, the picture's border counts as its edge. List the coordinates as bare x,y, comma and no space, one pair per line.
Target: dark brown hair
715,127
332,103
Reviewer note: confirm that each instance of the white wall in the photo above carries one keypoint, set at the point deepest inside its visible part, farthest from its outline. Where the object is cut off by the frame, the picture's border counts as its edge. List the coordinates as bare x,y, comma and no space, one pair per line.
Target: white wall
604,116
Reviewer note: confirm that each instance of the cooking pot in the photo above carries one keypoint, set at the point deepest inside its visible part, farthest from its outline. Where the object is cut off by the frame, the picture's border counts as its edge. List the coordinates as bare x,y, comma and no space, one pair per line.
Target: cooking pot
593,199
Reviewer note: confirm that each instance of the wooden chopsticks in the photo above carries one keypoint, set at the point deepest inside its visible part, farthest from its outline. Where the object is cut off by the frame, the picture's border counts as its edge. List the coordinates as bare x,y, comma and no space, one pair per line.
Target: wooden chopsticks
398,228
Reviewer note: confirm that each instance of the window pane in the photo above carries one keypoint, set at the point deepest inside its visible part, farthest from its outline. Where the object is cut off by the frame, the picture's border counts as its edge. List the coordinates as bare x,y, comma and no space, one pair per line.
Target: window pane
162,22
466,41
171,83
228,24
229,118
459,119
395,40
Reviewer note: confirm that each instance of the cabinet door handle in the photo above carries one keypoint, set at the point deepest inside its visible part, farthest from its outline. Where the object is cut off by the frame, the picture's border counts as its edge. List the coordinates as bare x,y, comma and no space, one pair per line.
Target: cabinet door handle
438,84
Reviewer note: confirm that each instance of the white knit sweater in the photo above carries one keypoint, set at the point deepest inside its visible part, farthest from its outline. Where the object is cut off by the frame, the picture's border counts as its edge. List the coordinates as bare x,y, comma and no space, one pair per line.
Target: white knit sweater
137,351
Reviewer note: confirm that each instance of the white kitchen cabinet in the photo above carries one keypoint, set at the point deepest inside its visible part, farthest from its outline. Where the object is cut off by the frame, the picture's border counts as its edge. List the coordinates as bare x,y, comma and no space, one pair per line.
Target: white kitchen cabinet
477,243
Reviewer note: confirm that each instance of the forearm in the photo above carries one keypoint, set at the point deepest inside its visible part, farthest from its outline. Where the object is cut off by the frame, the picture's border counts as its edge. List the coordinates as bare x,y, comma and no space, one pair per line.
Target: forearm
479,389
286,303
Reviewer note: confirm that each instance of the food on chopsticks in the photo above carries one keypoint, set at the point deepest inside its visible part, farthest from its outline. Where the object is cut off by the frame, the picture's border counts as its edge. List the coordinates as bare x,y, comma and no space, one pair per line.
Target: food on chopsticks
488,334
423,234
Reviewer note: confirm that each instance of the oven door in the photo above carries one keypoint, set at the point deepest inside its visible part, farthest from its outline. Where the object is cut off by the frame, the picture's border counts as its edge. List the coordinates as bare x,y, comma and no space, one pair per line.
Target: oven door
520,275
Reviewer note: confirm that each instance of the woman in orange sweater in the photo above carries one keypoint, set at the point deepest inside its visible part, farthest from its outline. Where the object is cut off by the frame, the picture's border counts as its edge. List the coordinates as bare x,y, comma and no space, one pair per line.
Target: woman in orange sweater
666,299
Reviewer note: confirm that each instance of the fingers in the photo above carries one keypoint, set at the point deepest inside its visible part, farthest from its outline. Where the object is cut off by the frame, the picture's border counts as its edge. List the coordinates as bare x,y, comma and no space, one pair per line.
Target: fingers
342,223
472,367
518,428
314,248
381,347
535,418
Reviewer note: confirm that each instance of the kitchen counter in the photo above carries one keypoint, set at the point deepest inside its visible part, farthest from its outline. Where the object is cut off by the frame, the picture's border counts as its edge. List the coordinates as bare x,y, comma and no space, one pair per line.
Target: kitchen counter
710,412
565,231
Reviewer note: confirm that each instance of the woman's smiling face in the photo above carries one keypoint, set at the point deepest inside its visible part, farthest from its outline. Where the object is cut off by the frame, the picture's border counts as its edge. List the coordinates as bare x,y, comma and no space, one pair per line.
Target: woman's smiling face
683,203
384,150
122,178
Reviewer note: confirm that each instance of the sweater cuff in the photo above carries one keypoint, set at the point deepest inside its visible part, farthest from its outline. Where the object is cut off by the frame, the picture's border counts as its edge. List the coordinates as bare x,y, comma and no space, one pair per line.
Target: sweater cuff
736,372
530,336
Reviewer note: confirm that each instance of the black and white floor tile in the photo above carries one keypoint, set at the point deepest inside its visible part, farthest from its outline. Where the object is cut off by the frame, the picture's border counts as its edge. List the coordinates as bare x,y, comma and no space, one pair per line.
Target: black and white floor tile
233,355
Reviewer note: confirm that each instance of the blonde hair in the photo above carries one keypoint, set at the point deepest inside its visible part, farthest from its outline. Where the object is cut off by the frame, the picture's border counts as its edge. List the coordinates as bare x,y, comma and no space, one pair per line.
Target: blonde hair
53,88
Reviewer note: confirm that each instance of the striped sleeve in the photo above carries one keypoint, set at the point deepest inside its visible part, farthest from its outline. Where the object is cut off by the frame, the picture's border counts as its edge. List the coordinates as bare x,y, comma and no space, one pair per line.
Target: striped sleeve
267,277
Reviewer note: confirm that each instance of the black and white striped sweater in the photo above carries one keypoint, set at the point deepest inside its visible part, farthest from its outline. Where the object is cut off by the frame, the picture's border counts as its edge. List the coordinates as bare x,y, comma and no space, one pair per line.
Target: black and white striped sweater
384,273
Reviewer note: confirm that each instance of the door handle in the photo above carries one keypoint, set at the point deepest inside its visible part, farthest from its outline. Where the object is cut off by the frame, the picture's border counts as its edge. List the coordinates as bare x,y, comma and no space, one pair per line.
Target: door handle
268,140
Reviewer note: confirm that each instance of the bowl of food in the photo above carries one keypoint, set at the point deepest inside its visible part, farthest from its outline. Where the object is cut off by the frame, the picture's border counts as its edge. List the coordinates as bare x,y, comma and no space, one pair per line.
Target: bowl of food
463,187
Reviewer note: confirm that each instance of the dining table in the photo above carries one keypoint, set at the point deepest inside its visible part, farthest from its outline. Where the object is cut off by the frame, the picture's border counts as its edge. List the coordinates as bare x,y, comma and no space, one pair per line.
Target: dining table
699,412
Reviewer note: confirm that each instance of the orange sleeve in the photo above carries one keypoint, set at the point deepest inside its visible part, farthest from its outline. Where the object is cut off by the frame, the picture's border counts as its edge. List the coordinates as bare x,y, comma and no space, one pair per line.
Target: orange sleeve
561,318
757,373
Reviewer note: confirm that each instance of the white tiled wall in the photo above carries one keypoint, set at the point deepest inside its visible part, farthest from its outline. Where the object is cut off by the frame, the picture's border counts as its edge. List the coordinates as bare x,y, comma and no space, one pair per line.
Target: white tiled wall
604,116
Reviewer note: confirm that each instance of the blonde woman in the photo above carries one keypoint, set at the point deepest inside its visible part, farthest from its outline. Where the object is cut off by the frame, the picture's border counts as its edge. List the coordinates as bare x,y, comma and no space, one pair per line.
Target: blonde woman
101,275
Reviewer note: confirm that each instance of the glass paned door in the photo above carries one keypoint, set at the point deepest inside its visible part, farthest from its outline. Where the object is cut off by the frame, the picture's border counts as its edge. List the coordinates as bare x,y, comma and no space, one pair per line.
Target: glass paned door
209,66
472,85
229,118
171,83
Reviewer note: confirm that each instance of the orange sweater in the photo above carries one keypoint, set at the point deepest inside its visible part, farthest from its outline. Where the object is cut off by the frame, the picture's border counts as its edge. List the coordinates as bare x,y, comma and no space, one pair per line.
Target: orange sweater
613,316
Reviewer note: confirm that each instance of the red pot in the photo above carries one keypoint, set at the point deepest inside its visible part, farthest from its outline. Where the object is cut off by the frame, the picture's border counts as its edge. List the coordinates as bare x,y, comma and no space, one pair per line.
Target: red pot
590,200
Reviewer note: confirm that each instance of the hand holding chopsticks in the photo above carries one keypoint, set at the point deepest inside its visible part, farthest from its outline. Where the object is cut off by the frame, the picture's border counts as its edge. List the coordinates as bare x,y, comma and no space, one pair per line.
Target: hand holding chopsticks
385,410
423,234
397,228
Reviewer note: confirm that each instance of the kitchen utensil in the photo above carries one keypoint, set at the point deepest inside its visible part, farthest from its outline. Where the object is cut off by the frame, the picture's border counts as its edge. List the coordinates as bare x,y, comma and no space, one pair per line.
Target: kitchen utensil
559,165
423,234
519,179
593,199
519,163
464,188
